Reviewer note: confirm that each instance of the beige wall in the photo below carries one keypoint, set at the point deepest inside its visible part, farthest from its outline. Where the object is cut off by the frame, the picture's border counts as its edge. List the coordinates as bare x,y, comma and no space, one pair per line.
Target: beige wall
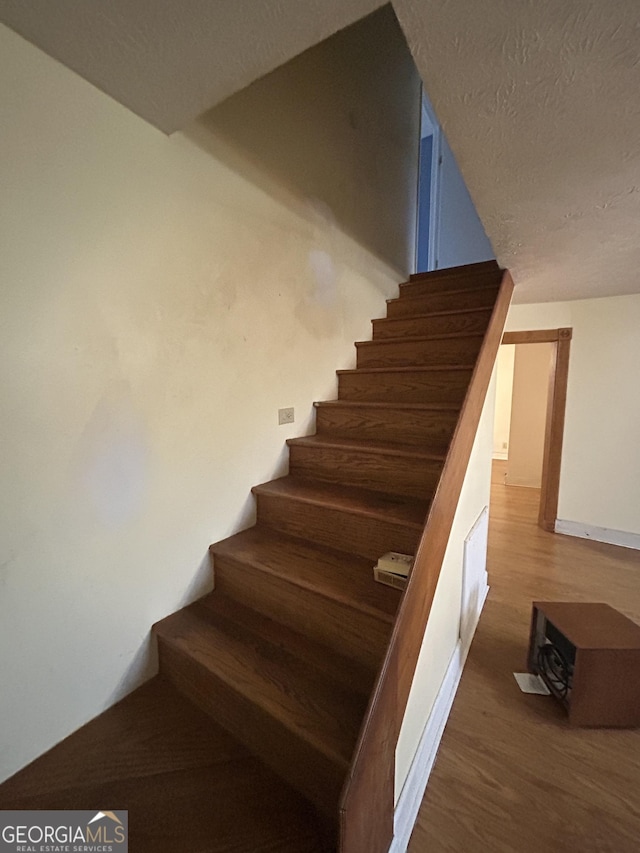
336,126
600,475
532,365
443,629
504,395
161,299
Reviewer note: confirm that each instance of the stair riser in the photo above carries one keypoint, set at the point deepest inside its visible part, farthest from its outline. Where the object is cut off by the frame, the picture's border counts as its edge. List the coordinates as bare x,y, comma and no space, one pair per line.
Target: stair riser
430,386
335,528
445,284
426,429
397,475
339,626
347,671
415,353
270,740
435,325
441,302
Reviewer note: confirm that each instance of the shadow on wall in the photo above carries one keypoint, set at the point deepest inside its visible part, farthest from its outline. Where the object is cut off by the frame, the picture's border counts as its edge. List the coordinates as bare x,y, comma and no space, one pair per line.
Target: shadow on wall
334,135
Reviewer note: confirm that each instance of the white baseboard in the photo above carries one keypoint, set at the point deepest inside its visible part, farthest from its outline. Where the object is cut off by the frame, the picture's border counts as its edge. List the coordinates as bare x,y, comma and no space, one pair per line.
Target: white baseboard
501,455
599,534
408,805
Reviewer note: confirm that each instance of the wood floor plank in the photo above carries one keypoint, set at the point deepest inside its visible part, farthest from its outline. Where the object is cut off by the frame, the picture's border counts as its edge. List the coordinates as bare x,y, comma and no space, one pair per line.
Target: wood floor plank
511,774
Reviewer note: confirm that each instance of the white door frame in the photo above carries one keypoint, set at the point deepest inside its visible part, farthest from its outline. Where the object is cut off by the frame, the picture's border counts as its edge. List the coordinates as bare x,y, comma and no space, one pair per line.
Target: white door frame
429,126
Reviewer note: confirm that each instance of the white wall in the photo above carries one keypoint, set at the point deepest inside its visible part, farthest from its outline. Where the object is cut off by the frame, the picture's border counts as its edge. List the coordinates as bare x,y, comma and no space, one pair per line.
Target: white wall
600,475
161,299
532,367
443,628
504,395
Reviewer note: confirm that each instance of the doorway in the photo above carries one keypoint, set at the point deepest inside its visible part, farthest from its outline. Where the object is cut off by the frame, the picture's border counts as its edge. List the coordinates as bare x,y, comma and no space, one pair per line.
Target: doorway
449,230
534,456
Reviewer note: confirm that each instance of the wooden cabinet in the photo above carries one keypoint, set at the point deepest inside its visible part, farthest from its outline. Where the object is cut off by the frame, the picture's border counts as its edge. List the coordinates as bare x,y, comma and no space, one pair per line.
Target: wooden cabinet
589,656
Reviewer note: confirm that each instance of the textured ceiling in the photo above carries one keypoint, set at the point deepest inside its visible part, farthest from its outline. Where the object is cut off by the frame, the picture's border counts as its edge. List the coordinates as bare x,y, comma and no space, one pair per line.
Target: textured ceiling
539,100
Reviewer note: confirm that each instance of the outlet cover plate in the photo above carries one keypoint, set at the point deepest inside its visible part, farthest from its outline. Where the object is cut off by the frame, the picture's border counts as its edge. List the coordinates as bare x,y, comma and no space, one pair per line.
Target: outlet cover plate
286,416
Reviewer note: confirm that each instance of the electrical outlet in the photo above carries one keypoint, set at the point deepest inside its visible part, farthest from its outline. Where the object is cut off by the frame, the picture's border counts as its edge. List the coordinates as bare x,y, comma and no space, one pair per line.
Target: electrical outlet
285,416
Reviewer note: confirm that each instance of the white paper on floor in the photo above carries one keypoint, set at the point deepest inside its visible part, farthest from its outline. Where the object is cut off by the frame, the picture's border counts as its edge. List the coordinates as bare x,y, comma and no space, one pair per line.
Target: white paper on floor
529,683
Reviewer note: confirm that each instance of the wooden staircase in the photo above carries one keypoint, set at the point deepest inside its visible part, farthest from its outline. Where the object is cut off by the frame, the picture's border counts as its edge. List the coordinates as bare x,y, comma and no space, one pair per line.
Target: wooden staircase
285,652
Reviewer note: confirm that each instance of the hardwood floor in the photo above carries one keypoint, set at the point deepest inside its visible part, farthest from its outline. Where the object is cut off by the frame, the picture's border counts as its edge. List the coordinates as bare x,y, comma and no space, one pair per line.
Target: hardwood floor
188,786
511,774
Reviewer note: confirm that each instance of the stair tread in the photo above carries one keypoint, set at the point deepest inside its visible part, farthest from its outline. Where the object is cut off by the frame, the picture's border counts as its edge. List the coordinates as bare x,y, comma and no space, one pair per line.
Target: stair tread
429,315
389,447
339,668
319,711
407,511
404,369
416,338
406,296
474,269
383,404
313,567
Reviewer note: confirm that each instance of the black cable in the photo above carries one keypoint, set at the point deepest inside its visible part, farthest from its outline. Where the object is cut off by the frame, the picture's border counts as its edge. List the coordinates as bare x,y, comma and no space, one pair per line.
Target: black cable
554,669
